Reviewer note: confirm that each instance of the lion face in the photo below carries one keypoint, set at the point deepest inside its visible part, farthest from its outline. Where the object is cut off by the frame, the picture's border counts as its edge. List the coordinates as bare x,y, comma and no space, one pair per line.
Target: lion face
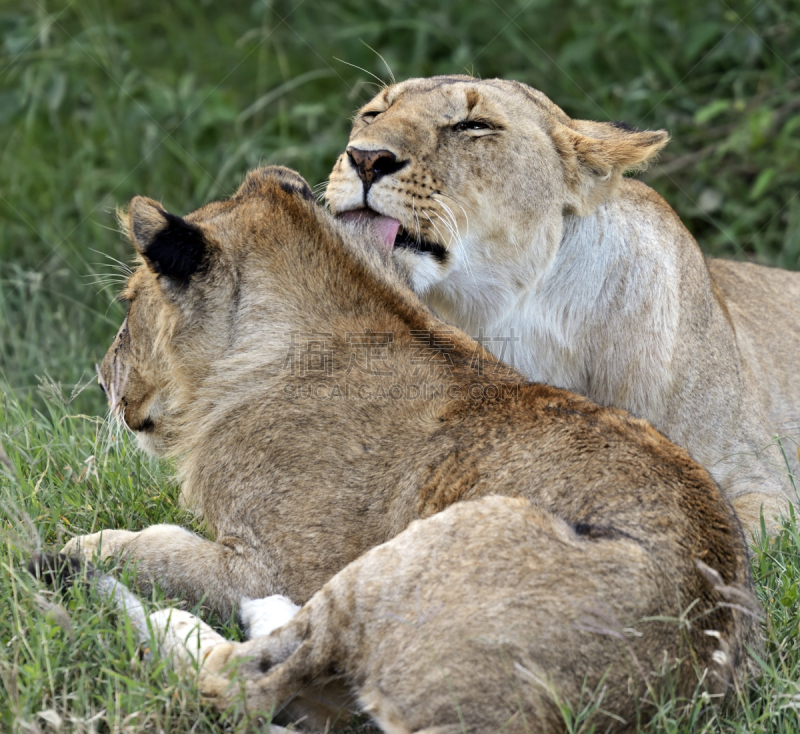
478,177
184,296
133,374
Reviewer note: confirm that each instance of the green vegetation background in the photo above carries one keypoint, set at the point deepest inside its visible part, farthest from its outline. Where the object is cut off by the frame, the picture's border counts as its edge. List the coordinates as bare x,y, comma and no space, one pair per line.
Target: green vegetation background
103,100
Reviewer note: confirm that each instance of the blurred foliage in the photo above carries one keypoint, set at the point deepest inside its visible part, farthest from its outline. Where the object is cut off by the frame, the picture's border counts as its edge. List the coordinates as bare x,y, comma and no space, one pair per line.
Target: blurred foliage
100,101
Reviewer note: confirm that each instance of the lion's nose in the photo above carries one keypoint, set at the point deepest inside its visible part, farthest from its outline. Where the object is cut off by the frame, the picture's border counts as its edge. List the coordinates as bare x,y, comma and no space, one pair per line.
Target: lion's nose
374,164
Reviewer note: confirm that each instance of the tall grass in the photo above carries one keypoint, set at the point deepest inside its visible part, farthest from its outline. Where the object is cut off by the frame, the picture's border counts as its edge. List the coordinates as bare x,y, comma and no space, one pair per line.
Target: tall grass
101,101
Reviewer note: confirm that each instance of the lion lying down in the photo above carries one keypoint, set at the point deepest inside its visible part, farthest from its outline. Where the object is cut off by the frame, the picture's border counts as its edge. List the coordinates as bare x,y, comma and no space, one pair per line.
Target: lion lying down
472,551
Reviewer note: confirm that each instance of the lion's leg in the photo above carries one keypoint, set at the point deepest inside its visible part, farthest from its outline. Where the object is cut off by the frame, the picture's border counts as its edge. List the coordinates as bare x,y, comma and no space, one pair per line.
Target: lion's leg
290,673
186,565
188,642
183,637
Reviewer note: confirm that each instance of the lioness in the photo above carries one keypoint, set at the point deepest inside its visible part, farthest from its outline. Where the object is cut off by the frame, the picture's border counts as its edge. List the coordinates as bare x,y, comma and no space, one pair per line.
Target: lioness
516,224
303,391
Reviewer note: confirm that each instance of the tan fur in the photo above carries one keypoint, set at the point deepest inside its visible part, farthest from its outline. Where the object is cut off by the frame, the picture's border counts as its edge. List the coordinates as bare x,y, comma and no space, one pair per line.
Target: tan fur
434,601
606,290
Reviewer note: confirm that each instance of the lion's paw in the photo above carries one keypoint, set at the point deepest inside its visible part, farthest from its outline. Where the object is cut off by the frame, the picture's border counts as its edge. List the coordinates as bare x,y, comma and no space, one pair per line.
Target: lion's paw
102,545
214,681
187,639
218,658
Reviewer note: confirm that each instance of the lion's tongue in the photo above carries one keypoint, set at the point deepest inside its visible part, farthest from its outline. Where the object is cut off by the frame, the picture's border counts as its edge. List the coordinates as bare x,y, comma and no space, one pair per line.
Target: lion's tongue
385,228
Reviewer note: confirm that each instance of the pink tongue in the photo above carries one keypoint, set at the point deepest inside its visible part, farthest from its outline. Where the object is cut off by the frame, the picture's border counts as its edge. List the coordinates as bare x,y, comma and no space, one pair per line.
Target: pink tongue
385,228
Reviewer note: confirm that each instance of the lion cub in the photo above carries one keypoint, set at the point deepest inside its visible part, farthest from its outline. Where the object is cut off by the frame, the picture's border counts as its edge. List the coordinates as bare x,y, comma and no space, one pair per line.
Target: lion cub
347,449
517,225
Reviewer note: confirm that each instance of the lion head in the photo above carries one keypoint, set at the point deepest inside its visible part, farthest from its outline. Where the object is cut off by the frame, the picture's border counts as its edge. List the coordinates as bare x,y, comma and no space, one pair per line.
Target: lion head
180,320
470,182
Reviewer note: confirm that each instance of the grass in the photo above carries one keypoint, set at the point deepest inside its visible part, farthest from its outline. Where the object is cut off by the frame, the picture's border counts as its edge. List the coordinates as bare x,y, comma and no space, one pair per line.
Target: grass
70,657
101,101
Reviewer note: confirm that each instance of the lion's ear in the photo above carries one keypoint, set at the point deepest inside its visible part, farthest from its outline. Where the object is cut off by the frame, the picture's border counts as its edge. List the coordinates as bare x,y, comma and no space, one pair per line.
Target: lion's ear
596,154
170,245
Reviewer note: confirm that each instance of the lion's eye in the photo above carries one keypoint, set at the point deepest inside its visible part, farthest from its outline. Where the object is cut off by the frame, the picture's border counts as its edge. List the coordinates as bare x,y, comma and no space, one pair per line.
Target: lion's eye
370,116
471,126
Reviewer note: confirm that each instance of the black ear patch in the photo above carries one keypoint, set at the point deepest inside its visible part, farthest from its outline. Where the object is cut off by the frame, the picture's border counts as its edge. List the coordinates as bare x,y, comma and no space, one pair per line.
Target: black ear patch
295,187
177,250
292,182
625,126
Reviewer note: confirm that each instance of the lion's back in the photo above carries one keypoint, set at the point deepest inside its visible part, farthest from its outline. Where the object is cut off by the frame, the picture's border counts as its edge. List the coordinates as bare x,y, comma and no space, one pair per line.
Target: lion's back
764,307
